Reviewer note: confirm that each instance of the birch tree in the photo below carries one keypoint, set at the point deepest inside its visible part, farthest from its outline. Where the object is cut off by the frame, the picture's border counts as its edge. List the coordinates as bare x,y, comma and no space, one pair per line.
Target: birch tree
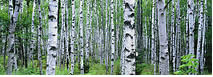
129,35
178,33
202,62
164,54
32,47
81,37
87,31
199,41
112,38
39,38
11,37
73,37
106,40
173,37
66,34
153,54
190,13
52,37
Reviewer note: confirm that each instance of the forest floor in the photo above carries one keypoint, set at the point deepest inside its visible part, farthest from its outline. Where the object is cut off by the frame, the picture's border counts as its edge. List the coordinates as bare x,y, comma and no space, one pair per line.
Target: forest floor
94,68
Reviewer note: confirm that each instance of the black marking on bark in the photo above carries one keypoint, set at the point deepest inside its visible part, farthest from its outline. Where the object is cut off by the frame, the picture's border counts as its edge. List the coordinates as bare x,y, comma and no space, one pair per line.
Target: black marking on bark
163,58
125,49
53,48
131,56
127,34
127,60
132,15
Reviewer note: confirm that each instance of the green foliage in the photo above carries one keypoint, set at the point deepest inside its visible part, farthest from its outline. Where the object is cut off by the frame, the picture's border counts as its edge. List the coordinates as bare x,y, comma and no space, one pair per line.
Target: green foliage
2,70
77,70
188,61
61,72
144,69
97,69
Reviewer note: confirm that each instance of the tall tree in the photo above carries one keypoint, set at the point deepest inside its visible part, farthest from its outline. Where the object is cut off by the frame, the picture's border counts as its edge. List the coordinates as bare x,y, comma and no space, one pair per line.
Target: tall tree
164,54
88,32
11,37
153,52
202,62
129,34
81,37
199,41
173,37
32,47
190,12
112,38
106,40
178,33
73,37
52,37
39,38
66,34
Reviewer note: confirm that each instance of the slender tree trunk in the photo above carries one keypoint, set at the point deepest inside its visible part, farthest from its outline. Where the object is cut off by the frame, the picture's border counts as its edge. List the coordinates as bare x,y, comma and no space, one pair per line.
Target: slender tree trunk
11,37
106,40
129,37
73,37
21,6
190,12
153,52
202,62
112,38
39,38
81,37
164,54
102,33
173,37
66,34
91,30
87,31
187,33
52,37
32,47
178,33
199,41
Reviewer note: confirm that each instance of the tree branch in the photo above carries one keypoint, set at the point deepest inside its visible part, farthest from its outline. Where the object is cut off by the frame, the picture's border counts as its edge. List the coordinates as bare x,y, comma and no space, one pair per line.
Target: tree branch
167,4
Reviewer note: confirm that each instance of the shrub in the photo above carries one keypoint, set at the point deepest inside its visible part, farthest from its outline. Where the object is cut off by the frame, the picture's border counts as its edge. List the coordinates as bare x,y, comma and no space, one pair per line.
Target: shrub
188,61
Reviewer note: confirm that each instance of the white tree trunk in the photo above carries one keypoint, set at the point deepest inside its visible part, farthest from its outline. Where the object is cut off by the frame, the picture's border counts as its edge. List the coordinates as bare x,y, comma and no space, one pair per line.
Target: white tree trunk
178,33
187,33
173,37
39,38
112,38
153,36
102,34
52,37
72,38
32,47
164,54
129,37
190,12
106,36
199,41
66,34
81,37
87,31
11,37
202,62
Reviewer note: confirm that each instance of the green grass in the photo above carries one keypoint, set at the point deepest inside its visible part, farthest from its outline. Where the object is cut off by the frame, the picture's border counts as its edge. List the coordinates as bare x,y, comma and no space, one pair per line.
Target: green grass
144,69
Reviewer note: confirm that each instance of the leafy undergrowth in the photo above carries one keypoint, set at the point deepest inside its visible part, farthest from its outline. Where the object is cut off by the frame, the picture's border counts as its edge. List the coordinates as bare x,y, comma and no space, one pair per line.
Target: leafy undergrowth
144,69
